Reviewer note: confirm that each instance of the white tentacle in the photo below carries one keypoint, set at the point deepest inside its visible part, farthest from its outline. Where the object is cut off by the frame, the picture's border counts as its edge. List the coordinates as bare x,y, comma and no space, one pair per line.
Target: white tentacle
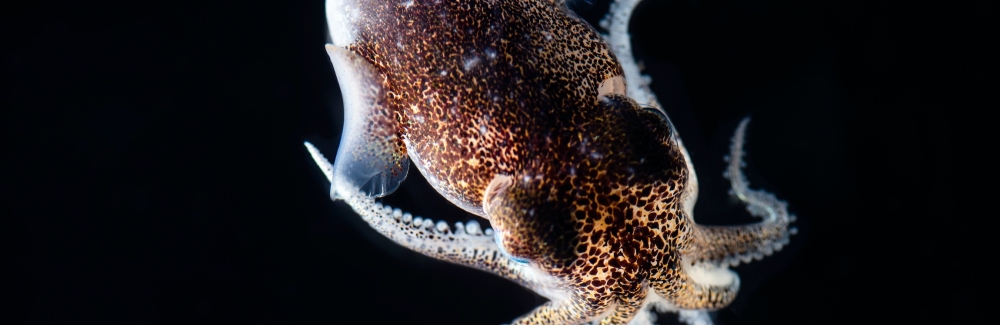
466,244
616,23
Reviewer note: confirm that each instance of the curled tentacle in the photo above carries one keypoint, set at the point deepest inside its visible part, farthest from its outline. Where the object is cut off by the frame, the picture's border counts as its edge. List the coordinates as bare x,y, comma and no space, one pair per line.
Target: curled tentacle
730,245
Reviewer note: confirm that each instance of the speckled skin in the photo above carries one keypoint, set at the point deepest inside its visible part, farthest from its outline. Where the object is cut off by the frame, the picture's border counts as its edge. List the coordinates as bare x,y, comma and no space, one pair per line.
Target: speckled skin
471,79
517,111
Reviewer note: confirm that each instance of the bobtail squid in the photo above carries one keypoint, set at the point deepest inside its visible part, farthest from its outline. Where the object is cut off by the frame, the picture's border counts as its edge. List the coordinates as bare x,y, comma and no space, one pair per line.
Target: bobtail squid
521,113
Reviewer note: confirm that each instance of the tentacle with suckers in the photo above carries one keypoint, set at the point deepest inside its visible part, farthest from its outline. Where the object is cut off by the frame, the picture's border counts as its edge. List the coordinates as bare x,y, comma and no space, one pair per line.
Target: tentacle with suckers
466,244
731,245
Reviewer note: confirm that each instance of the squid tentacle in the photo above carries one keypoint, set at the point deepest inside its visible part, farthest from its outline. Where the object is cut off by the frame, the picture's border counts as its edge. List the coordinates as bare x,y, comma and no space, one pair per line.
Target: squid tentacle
616,23
465,244
731,245
573,310
699,287
626,310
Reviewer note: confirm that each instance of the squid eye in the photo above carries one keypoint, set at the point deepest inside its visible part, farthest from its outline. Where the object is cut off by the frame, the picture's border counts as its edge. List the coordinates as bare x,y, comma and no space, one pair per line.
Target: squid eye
658,112
664,120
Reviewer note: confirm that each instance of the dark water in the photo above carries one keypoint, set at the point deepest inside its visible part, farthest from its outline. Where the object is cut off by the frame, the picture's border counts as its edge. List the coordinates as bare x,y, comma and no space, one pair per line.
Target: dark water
157,173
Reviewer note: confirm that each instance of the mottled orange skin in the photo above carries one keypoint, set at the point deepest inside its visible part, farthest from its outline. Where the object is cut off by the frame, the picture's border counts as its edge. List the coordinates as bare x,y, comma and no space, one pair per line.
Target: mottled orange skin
515,111
477,84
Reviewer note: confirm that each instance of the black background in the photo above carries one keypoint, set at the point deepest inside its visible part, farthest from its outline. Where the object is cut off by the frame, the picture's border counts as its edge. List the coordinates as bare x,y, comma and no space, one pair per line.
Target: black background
155,170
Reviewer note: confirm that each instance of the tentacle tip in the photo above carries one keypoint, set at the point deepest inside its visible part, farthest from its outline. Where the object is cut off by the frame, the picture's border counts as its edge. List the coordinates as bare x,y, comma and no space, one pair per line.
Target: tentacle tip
793,230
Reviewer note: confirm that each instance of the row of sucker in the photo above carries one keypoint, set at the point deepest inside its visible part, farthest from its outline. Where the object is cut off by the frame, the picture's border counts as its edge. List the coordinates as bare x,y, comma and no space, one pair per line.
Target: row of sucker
759,203
470,228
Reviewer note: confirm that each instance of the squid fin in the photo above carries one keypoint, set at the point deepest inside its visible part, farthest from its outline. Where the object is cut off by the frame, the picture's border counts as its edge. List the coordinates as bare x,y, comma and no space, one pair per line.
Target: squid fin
371,157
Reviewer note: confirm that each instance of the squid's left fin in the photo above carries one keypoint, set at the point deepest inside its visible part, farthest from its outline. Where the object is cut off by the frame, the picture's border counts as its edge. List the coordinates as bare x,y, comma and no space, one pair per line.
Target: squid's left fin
371,158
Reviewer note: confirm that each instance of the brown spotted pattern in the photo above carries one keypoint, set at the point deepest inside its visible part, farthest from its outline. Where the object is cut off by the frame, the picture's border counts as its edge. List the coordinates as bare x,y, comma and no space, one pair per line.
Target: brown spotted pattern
471,80
496,102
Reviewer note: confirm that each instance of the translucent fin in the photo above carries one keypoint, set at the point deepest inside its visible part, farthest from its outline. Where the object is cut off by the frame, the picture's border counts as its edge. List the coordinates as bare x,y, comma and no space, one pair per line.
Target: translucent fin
371,156
342,17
